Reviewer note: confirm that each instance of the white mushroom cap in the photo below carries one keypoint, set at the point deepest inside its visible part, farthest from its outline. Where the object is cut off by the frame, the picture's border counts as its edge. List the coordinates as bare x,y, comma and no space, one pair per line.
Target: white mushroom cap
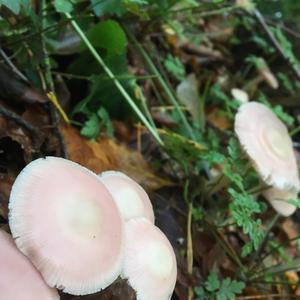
266,140
66,222
130,197
19,280
240,95
279,200
149,262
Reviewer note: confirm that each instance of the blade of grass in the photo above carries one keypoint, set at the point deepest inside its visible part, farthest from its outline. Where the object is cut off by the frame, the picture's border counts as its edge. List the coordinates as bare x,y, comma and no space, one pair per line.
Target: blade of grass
164,85
120,87
278,269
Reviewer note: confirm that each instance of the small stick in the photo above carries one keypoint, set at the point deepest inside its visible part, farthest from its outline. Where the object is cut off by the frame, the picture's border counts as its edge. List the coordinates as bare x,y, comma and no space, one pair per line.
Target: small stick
19,121
13,67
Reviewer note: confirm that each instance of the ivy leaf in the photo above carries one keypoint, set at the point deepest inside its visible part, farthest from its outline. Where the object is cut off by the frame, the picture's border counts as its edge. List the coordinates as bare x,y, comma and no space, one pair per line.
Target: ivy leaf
63,6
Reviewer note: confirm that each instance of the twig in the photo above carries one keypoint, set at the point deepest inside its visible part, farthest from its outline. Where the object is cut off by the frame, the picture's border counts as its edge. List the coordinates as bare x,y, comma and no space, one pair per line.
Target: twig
13,67
190,248
189,238
284,28
277,45
53,113
19,121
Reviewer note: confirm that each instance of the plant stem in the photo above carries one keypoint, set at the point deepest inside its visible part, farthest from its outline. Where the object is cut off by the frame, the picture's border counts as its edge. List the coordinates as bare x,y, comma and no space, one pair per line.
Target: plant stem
295,131
189,237
110,74
88,78
263,243
278,247
164,85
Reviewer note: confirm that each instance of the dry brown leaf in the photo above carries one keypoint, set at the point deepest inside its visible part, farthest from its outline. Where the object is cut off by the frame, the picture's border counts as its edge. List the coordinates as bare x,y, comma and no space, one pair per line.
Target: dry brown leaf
218,120
106,154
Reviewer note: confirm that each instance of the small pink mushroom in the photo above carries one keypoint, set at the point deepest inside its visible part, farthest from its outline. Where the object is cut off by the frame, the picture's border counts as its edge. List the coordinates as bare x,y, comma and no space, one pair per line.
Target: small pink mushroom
130,197
266,140
279,200
19,280
149,262
66,222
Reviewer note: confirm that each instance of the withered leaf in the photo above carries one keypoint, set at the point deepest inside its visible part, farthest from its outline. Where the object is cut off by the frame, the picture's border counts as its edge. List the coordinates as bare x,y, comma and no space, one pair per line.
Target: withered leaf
106,154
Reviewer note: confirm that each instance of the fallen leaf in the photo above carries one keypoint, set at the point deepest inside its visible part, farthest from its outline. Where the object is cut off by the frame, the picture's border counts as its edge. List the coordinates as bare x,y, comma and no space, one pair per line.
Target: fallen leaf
188,95
217,119
106,154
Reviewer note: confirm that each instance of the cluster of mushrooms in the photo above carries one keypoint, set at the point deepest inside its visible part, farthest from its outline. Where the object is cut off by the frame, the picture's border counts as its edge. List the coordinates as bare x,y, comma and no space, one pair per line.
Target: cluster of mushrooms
267,142
78,231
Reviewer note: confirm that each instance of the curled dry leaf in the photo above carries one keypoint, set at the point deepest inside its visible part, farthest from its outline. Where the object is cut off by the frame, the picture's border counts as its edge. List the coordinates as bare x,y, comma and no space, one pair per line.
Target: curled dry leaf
106,154
218,120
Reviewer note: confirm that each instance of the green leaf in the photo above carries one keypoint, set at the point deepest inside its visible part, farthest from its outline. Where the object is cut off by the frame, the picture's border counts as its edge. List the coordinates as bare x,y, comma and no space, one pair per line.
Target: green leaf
15,5
295,202
110,36
229,288
105,121
63,6
212,284
175,67
91,128
108,7
243,206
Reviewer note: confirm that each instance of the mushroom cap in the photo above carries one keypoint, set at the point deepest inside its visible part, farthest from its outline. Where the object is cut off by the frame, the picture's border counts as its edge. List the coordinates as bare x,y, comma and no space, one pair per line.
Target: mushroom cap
66,222
240,95
19,279
266,140
130,197
149,261
279,200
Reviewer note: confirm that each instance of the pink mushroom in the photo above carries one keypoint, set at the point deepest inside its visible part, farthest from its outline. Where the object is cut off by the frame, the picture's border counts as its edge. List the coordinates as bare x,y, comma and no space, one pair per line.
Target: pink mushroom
130,197
66,222
149,262
266,140
19,280
279,200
